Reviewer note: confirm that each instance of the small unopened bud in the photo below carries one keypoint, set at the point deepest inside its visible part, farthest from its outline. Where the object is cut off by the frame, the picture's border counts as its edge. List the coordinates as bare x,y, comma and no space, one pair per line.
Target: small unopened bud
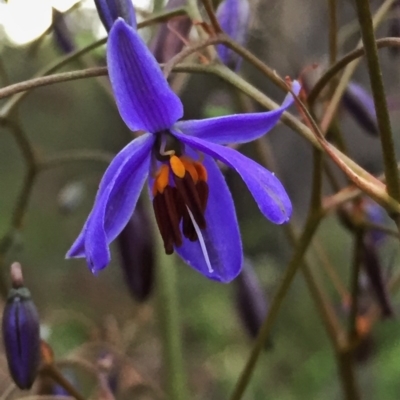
373,270
251,302
394,28
20,327
137,254
110,10
375,214
234,18
360,105
62,35
171,36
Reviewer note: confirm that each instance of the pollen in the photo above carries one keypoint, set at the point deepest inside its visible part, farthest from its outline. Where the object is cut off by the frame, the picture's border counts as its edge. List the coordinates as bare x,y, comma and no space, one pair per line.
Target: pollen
161,181
177,166
190,167
201,171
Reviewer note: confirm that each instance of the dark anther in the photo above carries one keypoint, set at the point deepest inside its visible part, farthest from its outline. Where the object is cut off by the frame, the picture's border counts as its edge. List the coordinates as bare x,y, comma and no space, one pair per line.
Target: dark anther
166,142
202,190
168,217
188,191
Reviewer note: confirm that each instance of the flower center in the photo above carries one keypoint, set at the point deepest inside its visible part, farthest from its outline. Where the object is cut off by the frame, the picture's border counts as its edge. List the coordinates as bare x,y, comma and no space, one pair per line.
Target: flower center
180,193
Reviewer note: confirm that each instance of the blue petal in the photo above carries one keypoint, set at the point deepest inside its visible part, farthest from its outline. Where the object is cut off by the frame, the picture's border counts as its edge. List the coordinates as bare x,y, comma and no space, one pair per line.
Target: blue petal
110,10
265,187
221,237
144,98
238,128
115,201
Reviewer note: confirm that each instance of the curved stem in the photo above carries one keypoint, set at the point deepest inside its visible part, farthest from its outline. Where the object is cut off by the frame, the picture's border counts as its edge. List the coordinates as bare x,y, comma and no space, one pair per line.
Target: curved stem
276,303
348,73
52,372
342,63
65,157
7,109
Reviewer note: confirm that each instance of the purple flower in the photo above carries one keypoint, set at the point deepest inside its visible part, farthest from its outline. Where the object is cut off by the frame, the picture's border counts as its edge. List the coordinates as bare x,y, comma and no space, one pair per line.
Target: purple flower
192,204
360,104
110,10
233,16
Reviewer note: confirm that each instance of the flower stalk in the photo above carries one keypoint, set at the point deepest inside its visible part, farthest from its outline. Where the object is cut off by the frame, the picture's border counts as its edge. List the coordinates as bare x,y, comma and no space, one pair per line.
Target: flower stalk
170,325
378,91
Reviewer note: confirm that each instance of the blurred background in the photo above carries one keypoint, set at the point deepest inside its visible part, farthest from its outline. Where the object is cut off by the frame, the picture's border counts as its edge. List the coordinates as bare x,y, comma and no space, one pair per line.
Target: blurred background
86,317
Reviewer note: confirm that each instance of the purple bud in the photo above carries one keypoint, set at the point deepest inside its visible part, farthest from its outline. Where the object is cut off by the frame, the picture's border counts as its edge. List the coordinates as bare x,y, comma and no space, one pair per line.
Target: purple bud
375,214
251,302
170,38
365,349
373,270
135,244
21,337
110,10
62,35
234,18
394,28
359,103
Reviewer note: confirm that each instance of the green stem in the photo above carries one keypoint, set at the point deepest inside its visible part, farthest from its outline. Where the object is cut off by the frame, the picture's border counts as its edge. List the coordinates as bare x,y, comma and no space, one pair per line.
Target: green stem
333,28
170,326
378,92
358,248
276,303
348,73
52,372
7,109
63,157
342,63
211,14
347,374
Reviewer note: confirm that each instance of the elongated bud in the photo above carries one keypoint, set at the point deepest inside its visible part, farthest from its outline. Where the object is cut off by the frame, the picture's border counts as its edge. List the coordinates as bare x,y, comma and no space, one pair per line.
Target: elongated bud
373,270
110,10
171,36
394,28
20,326
360,105
251,302
376,214
234,18
136,248
62,35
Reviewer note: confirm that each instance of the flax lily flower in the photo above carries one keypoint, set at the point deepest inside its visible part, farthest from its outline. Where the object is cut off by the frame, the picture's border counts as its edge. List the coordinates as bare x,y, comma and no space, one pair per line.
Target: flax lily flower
192,204
234,18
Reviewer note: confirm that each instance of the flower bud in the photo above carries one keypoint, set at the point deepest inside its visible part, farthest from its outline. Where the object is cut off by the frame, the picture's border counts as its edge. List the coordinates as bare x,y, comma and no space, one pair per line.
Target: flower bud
20,326
375,214
61,34
251,302
110,10
373,270
394,28
135,244
171,36
360,105
234,18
